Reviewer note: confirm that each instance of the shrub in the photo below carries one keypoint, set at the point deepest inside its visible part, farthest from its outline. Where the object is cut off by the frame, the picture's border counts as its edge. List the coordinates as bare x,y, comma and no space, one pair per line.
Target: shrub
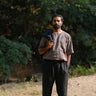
81,70
12,53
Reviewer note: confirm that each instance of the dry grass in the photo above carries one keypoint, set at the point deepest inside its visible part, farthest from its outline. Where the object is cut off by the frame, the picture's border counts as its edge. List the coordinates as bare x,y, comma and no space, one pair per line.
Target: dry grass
27,90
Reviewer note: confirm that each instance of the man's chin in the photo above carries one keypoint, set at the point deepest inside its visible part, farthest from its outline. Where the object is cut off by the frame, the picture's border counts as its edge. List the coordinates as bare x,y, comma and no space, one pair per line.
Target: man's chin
56,28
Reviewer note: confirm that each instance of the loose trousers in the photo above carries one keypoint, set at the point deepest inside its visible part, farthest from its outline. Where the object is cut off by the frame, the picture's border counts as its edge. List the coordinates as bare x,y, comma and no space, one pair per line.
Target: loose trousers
55,70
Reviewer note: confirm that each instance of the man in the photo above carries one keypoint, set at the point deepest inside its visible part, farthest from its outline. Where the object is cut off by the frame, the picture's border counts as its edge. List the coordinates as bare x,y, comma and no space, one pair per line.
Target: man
56,48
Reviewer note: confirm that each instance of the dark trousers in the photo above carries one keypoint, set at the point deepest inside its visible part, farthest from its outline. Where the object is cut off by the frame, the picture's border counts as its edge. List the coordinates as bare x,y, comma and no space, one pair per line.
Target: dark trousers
55,71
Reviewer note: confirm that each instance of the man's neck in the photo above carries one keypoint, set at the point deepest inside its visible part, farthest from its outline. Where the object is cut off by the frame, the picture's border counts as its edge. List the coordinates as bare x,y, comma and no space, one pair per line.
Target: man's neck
57,31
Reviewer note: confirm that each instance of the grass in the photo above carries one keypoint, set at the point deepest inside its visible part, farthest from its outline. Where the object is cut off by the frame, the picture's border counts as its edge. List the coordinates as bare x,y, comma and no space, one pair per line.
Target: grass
28,89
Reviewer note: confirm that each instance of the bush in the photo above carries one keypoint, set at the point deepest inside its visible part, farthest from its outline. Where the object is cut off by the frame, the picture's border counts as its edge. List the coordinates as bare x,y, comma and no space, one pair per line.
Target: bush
81,70
12,53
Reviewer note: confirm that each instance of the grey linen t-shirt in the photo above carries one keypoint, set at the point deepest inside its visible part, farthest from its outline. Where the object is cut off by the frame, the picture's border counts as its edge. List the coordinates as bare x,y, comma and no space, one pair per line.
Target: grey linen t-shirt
61,48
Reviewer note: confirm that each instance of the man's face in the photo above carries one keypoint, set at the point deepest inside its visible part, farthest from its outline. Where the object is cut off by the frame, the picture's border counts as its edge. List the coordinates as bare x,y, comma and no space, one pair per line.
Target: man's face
57,22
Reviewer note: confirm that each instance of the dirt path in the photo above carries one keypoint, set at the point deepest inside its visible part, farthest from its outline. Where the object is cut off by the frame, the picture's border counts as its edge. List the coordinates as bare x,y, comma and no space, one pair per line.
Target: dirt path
79,86
82,86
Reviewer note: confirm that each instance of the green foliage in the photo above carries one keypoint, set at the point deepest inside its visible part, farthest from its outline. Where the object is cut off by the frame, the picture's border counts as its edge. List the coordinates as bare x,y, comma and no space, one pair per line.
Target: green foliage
32,42
30,18
81,70
12,53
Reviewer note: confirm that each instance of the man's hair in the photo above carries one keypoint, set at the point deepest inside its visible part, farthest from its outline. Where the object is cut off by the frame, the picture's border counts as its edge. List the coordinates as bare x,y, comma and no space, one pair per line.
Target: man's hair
57,15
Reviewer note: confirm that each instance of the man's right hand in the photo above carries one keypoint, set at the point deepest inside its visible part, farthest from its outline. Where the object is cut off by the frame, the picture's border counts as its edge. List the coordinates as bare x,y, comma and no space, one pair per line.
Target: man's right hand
43,50
50,44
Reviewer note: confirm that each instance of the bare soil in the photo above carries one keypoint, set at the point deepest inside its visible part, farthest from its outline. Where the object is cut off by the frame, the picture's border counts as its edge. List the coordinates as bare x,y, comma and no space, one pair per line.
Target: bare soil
77,86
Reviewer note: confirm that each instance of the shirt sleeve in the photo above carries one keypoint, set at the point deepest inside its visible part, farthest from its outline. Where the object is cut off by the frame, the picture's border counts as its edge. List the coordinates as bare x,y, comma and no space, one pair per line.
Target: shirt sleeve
69,46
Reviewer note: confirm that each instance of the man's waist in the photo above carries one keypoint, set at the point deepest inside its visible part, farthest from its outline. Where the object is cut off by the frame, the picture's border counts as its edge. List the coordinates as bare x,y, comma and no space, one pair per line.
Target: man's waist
54,60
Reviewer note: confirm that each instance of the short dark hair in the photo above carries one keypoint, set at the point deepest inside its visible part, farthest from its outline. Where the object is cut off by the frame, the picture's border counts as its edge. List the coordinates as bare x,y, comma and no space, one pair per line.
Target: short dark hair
57,15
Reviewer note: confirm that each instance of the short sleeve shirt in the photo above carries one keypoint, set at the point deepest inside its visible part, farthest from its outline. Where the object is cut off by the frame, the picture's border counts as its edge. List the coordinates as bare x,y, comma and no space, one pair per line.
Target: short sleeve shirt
61,48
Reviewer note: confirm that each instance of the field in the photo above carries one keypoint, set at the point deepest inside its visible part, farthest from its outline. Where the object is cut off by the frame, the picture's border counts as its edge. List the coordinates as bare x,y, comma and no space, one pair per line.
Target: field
78,86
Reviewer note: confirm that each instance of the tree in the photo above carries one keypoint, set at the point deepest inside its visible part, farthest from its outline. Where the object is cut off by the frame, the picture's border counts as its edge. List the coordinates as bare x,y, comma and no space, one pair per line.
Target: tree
12,53
30,18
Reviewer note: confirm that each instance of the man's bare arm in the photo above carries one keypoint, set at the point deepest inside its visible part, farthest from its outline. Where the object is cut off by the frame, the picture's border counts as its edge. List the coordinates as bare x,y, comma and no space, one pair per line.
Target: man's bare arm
44,50
68,59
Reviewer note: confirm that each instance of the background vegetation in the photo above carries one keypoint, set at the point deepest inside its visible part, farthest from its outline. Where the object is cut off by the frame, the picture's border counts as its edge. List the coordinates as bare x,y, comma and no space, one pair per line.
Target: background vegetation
12,53
25,20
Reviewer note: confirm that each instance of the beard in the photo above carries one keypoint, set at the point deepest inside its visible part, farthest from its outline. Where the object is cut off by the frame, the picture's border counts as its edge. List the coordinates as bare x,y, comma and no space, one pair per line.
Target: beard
56,26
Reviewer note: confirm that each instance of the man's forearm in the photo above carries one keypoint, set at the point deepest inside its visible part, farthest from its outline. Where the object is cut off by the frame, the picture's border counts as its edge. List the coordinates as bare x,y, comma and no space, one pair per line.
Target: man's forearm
68,59
43,50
